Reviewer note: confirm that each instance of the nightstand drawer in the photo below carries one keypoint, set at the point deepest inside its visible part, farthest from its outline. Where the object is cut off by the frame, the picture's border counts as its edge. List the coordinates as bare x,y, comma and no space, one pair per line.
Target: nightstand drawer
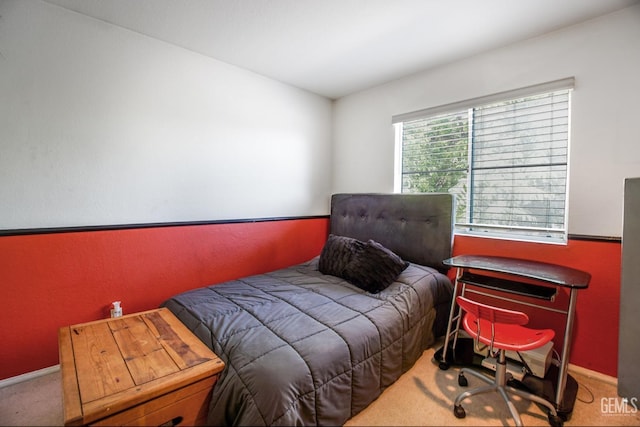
187,406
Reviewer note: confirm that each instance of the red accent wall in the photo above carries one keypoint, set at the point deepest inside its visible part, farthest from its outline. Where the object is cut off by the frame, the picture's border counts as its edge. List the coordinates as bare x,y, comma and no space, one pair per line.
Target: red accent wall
52,280
595,335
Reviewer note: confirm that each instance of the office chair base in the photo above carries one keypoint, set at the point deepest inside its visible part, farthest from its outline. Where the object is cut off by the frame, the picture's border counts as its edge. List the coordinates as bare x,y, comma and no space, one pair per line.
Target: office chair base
499,385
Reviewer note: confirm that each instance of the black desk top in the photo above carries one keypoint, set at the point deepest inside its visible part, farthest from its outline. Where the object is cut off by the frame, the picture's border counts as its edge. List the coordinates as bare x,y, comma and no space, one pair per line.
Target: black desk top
551,273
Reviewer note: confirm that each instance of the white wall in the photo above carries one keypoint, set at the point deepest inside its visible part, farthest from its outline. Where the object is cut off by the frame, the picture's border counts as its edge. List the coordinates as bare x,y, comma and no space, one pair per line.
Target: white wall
100,125
604,57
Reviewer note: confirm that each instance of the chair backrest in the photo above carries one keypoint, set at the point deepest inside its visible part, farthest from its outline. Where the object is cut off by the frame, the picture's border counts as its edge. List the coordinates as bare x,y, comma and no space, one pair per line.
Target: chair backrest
491,313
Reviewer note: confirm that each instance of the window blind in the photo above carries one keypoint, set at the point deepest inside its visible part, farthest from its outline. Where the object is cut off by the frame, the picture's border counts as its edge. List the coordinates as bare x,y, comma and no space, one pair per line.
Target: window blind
435,153
520,162
506,159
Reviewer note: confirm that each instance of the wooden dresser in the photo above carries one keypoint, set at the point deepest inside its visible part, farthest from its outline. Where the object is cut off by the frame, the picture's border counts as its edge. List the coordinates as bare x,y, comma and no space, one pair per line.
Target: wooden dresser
141,369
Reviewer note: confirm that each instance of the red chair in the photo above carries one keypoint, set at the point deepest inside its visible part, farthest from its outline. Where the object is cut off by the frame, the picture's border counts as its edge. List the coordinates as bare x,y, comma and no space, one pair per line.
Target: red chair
501,330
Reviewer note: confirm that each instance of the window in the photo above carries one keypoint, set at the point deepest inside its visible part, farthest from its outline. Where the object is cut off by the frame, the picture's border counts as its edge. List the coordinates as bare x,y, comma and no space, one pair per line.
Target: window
504,157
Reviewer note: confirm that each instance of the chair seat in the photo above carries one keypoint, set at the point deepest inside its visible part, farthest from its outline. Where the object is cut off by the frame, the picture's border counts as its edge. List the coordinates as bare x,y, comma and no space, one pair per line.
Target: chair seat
507,336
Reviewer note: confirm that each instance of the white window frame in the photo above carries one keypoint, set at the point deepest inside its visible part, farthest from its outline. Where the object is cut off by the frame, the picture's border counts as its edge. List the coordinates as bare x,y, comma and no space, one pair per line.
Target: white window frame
557,236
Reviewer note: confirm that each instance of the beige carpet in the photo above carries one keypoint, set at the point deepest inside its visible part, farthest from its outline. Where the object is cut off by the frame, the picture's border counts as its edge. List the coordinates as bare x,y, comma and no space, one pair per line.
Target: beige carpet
37,402
423,396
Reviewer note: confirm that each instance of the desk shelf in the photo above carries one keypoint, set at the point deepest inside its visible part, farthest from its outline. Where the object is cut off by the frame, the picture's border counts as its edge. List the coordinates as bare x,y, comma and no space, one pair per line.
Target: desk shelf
509,286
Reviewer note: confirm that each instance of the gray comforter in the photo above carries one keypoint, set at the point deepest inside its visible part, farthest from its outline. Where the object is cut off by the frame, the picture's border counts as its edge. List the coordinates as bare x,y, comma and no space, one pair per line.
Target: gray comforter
303,348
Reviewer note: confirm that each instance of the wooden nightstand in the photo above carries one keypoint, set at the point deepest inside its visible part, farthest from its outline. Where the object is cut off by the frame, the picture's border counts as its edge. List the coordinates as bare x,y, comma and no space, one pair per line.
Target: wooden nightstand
141,369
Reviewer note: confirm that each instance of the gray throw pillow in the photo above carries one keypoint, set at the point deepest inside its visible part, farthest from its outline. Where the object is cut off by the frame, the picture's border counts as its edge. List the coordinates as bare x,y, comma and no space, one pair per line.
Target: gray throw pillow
337,253
374,267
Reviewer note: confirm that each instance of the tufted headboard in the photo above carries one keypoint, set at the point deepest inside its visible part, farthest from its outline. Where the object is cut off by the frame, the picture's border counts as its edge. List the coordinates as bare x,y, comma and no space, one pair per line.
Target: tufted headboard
417,227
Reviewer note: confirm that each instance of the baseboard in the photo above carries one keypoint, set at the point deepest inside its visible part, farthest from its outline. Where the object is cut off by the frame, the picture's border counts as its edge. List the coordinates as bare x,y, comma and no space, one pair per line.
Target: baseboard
29,376
593,374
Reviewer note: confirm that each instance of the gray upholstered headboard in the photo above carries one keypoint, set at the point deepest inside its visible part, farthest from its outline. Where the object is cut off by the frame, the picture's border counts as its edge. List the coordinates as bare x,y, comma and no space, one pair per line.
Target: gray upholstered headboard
417,227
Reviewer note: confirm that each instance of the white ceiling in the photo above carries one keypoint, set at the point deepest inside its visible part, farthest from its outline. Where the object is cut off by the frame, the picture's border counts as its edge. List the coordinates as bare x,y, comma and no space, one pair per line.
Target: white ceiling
337,47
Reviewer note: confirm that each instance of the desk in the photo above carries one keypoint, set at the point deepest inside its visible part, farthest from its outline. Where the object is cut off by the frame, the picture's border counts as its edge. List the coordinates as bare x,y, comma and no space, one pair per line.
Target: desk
551,277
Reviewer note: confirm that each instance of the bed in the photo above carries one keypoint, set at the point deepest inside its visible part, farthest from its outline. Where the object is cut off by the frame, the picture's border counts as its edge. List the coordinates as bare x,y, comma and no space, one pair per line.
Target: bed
305,347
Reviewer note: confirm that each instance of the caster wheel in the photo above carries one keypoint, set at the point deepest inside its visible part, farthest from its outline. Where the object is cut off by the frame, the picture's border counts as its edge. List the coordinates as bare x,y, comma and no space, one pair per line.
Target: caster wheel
462,380
458,411
443,366
555,421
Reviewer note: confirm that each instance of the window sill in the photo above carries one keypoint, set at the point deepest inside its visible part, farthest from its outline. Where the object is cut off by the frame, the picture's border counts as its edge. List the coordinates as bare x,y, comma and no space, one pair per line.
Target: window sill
513,237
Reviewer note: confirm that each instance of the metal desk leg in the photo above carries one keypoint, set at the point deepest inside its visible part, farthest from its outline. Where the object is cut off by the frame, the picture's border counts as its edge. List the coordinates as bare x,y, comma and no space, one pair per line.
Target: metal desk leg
443,362
566,347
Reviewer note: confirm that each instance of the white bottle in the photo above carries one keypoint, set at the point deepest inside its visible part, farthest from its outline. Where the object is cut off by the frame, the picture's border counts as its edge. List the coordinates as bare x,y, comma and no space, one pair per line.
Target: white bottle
116,311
